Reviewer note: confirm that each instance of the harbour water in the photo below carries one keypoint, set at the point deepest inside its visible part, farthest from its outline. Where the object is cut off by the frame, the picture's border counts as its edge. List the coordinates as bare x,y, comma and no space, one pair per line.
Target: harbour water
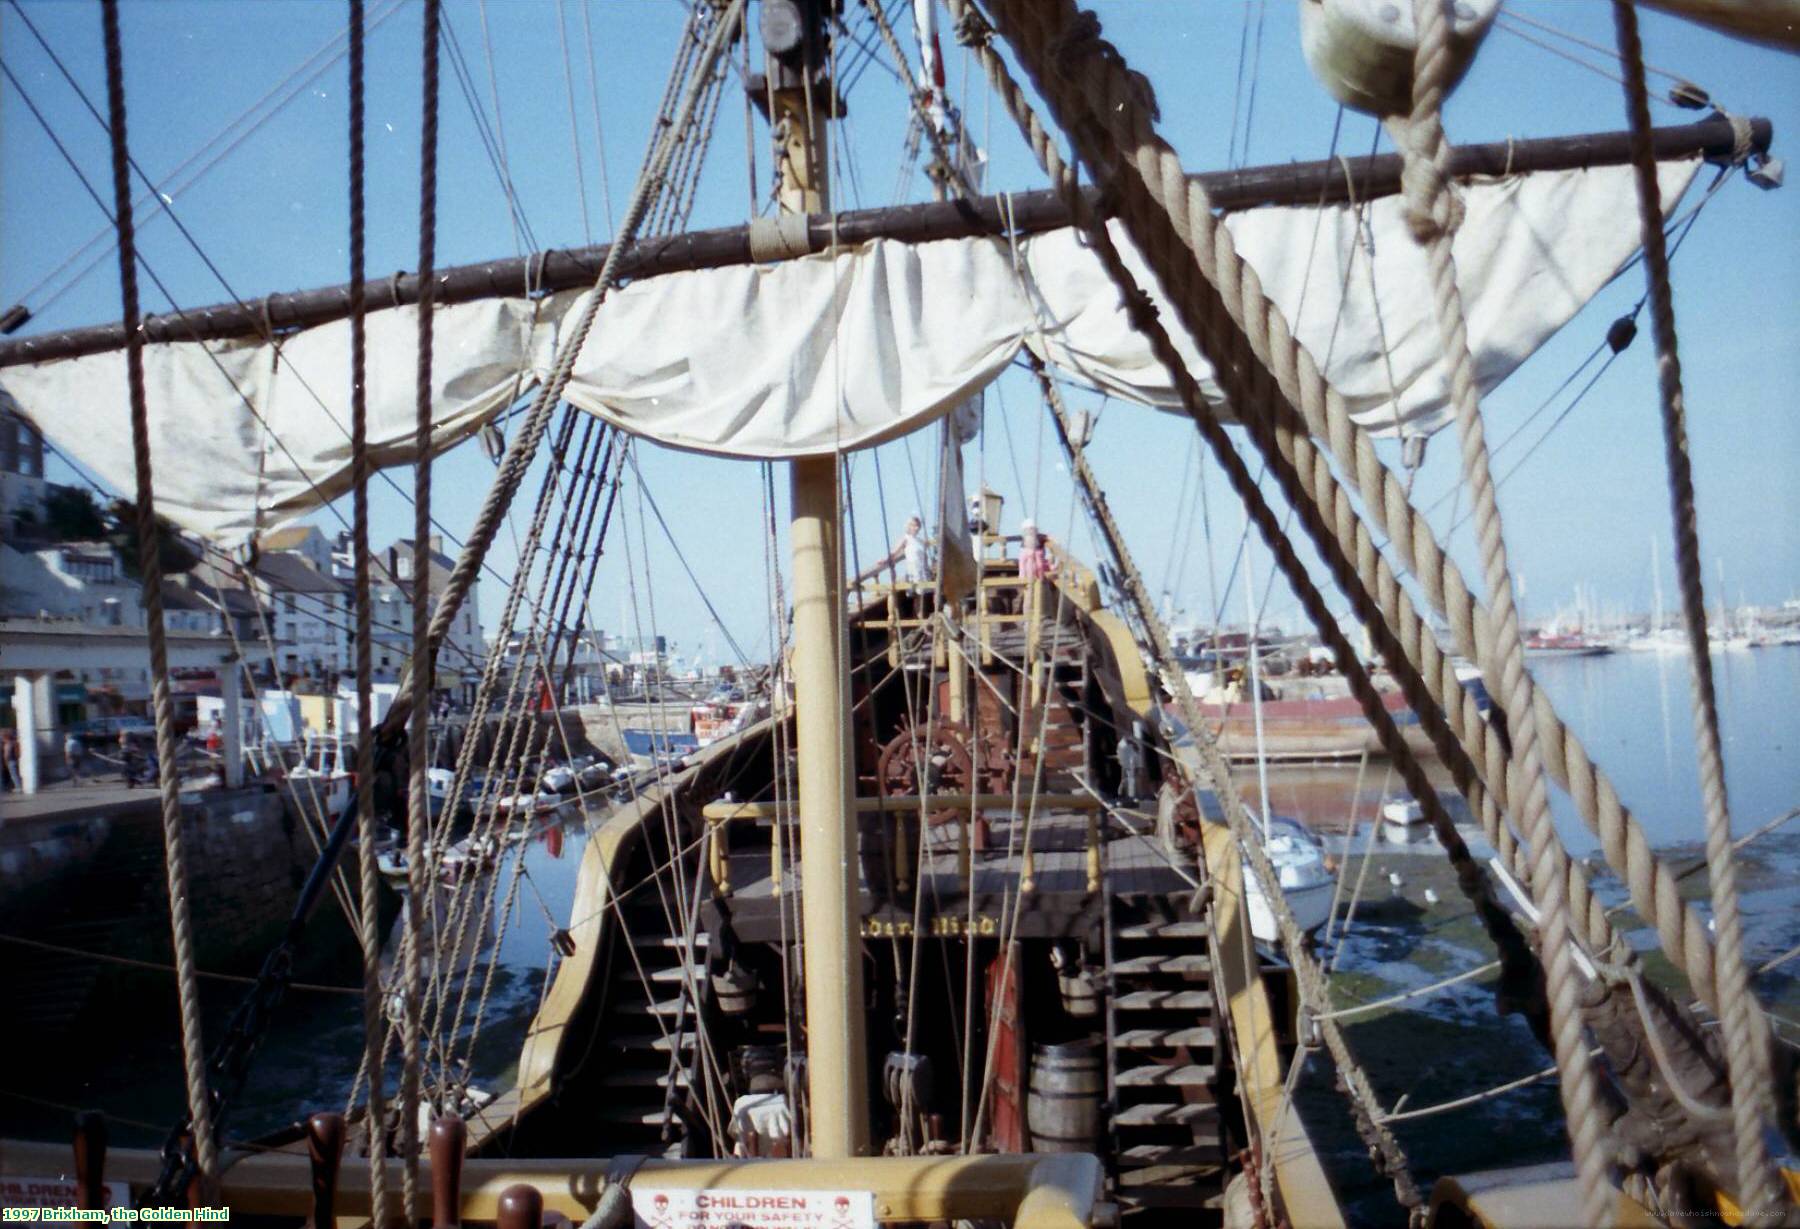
1631,710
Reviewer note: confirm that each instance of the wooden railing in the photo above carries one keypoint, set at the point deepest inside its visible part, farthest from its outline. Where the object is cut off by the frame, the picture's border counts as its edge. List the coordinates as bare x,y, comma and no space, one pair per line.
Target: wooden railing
1056,1191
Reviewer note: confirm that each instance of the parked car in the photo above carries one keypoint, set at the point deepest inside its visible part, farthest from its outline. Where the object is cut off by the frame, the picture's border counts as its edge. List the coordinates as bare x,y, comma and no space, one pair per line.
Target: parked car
100,731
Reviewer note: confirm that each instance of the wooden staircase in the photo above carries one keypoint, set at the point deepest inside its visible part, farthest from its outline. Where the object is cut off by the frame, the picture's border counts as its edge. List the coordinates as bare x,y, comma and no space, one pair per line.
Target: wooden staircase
650,1035
1168,1154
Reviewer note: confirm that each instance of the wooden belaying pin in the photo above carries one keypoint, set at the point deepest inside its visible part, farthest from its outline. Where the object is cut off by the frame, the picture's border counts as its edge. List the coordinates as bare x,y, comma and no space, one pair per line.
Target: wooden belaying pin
521,1207
90,1159
325,1149
447,1141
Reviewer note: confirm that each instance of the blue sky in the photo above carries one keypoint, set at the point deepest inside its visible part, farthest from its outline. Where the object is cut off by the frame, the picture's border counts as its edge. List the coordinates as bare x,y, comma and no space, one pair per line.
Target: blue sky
1584,509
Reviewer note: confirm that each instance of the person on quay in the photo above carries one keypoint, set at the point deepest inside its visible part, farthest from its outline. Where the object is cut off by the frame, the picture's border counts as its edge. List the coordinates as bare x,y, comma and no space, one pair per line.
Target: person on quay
9,760
73,752
127,759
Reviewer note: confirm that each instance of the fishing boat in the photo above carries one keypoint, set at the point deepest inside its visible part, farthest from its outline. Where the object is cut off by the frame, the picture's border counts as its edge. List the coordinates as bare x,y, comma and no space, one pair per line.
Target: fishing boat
1565,644
668,748
973,923
322,773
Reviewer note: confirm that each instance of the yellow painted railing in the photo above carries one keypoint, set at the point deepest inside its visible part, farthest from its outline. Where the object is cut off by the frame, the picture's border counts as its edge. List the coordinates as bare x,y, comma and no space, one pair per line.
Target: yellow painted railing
1056,1191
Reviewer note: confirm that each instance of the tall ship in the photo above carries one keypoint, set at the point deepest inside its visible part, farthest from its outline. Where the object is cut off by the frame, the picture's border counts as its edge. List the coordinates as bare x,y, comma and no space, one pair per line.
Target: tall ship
964,907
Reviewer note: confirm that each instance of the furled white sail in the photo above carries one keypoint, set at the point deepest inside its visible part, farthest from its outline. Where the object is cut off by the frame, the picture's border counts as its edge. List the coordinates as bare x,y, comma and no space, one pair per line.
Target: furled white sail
840,351
245,437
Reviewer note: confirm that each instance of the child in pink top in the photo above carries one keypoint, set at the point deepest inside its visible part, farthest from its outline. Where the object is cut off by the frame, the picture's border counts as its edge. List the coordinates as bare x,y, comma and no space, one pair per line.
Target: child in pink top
1035,559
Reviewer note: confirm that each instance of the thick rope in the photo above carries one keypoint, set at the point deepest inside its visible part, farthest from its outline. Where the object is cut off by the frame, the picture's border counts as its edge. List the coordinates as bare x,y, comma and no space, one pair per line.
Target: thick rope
150,569
1469,747
1315,990
1128,100
1434,217
1256,400
369,923
1470,876
1211,269
418,730
1746,1041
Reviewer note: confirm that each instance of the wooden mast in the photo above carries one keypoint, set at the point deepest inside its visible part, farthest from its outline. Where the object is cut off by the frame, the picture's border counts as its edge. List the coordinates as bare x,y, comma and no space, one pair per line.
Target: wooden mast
801,92
1298,183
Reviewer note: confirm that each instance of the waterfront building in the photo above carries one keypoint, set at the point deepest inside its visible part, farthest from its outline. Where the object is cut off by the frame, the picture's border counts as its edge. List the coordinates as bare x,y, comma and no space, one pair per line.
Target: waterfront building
393,572
22,483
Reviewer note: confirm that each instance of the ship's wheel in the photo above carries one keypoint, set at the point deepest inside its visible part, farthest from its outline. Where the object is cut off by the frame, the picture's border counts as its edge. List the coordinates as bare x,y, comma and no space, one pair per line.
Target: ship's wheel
928,759
939,758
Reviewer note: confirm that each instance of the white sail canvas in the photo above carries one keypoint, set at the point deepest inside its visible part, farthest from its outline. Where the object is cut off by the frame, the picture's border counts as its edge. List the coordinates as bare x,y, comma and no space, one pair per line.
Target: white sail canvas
840,351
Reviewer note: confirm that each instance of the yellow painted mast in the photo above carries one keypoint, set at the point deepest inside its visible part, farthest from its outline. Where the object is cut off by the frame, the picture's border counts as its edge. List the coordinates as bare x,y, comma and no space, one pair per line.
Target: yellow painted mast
801,93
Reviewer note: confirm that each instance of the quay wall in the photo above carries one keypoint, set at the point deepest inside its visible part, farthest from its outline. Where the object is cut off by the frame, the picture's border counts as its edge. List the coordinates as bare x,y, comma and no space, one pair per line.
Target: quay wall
90,877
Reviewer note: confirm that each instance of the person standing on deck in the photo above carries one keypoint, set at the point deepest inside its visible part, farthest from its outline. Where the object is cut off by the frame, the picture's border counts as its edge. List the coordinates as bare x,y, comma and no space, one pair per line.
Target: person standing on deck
912,554
1037,561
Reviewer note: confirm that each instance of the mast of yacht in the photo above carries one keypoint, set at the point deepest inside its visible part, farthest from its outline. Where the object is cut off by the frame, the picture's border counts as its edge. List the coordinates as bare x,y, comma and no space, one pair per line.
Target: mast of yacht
1656,596
1262,753
801,94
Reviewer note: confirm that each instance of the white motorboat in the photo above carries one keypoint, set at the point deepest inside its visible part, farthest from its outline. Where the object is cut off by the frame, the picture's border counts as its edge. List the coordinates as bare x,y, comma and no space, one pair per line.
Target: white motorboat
528,803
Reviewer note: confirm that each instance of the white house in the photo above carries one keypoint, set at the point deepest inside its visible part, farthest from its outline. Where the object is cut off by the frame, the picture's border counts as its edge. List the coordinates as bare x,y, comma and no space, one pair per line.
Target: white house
393,573
309,611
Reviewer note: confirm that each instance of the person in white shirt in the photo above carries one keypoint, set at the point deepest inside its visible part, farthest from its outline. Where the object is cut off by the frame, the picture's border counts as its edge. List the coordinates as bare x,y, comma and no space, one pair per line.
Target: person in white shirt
911,555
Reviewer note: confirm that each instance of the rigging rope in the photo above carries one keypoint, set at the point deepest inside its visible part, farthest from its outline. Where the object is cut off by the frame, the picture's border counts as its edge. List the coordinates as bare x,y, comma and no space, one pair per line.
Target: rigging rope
1121,104
1746,1038
1434,215
368,930
1222,296
524,445
418,727
160,193
149,544
1313,986
1163,209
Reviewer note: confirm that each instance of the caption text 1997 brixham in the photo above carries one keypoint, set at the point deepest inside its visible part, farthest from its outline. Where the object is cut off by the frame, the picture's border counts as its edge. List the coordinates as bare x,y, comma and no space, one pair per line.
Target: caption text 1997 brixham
106,1216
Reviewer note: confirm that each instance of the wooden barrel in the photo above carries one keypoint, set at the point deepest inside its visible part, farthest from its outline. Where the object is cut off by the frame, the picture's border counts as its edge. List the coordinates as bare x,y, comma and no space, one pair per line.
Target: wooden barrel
1067,1085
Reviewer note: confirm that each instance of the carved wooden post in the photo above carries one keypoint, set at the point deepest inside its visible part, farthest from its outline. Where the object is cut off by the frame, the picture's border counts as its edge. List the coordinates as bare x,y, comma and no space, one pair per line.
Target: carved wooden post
447,1140
521,1207
325,1149
90,1159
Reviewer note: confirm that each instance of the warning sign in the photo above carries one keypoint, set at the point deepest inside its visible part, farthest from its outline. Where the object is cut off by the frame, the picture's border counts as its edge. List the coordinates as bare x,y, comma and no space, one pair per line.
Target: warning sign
56,1193
659,1208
